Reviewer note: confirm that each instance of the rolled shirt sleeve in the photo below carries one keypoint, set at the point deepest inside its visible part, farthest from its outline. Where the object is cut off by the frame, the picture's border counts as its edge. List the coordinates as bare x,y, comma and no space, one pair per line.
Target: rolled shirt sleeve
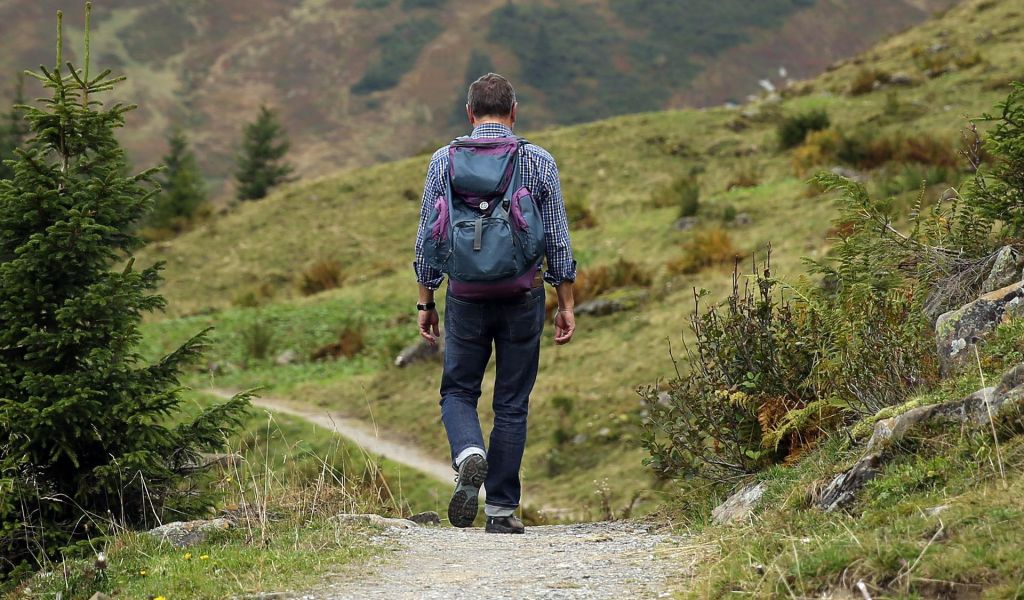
561,264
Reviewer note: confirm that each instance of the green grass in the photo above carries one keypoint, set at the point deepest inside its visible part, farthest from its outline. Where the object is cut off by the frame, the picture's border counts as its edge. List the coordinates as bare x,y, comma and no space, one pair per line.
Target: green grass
294,476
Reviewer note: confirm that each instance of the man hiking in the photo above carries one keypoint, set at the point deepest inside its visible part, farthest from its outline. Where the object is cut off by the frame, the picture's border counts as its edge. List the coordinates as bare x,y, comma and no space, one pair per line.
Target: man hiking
492,212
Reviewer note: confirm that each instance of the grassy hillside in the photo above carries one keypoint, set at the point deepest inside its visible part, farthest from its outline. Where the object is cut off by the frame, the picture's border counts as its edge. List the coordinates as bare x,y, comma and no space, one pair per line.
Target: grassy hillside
360,81
242,273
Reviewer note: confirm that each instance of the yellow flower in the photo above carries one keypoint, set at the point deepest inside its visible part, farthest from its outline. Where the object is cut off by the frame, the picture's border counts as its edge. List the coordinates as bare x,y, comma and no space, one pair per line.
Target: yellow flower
204,557
159,598
142,572
187,556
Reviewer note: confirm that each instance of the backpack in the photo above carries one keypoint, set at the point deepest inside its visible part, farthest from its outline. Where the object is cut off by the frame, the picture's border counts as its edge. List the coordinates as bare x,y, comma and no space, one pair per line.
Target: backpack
486,230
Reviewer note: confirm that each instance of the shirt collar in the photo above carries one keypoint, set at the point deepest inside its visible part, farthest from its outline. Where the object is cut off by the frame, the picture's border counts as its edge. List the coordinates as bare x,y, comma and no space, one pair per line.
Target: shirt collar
491,130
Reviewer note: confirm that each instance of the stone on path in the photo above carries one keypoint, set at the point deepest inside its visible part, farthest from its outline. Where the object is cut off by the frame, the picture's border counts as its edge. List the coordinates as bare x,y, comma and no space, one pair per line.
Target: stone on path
426,518
377,520
182,534
740,505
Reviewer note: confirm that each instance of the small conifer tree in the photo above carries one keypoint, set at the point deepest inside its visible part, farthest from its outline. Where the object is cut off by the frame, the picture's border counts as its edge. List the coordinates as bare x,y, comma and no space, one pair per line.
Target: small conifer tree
89,438
261,164
182,187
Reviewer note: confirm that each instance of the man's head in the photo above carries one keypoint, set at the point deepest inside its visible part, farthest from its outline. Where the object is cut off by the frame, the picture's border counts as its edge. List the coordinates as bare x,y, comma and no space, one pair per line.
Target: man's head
491,99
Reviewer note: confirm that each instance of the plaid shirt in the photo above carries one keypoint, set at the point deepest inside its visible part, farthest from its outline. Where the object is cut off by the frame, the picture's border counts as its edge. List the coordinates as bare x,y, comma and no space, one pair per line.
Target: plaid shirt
540,175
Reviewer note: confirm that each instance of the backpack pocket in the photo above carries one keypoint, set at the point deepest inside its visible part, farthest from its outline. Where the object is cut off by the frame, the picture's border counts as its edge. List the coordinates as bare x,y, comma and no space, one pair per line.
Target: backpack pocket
484,249
525,215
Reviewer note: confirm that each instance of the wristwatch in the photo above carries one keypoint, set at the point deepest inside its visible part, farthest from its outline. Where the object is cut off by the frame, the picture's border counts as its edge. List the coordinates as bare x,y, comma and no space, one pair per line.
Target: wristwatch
427,306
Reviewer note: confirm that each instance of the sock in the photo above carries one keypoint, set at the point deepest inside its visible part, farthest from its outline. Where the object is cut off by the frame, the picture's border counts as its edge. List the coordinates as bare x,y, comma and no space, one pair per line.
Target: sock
467,453
498,511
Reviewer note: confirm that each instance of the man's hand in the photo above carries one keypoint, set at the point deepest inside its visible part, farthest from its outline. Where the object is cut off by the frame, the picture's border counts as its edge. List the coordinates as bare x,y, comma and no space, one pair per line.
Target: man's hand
565,326
429,323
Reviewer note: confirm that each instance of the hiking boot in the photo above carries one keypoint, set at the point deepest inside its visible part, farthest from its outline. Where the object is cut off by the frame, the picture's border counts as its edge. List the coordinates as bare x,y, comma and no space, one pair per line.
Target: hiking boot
509,524
464,505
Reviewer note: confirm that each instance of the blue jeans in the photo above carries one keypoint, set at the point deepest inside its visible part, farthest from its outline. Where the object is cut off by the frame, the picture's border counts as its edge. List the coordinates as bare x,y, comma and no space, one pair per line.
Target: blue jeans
514,328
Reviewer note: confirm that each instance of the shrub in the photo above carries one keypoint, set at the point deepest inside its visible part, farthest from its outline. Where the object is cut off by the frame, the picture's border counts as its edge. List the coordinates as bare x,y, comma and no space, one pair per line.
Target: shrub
683,192
745,373
866,80
822,147
351,342
706,248
322,275
793,130
257,341
579,215
745,176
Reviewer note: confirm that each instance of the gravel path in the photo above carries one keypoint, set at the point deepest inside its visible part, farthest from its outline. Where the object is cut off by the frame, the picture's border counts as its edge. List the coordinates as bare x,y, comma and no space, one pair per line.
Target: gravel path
582,561
357,431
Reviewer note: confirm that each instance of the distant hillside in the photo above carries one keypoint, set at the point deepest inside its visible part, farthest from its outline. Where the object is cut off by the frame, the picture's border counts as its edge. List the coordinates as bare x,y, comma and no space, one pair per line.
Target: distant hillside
360,81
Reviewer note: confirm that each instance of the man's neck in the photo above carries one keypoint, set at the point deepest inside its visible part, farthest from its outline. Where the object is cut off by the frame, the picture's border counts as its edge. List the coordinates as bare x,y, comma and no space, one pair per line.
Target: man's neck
503,123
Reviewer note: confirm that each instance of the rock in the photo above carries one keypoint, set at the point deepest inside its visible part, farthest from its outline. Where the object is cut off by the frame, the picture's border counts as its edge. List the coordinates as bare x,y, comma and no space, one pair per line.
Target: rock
420,351
182,534
287,357
740,505
742,220
957,331
99,596
1005,270
426,518
686,223
598,308
843,488
901,79
376,520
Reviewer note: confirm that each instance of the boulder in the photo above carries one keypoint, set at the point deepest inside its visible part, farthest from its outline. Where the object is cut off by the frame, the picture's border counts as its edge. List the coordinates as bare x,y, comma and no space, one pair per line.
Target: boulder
597,308
842,490
904,79
1005,270
376,520
686,223
420,351
182,534
287,357
957,331
740,505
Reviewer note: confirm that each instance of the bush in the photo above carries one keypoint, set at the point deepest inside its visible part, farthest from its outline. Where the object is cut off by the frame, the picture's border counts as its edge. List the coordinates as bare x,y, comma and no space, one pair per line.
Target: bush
683,192
866,81
706,248
257,341
321,276
745,374
579,215
592,282
351,342
821,148
792,131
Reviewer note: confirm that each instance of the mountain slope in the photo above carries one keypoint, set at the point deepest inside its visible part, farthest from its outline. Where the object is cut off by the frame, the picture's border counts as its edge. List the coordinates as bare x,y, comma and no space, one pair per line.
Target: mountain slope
239,273
359,81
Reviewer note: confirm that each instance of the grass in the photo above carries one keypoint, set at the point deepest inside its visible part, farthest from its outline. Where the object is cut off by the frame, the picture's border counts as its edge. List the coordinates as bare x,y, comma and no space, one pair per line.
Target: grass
610,167
293,477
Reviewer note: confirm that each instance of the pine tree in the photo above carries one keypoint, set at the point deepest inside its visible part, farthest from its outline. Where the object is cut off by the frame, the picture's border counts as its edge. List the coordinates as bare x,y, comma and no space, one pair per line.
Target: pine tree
182,187
261,164
87,422
12,130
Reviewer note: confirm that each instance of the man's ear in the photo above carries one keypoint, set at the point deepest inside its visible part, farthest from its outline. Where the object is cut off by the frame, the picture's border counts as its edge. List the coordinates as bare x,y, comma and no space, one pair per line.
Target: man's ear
469,114
512,115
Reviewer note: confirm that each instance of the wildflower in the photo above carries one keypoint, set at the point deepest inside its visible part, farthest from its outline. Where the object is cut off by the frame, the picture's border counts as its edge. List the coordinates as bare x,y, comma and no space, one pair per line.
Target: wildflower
142,572
159,598
204,557
187,556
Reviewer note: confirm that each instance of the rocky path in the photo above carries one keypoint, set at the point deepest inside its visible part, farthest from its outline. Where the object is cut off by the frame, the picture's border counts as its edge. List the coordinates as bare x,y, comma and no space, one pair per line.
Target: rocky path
356,431
584,561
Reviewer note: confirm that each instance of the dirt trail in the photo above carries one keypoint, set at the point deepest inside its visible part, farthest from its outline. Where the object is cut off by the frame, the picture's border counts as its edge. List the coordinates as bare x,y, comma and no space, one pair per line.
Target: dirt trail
585,561
357,431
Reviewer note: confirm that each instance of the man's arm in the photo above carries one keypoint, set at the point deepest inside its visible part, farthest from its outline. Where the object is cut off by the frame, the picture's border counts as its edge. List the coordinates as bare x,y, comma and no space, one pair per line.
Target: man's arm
565,319
429,279
561,271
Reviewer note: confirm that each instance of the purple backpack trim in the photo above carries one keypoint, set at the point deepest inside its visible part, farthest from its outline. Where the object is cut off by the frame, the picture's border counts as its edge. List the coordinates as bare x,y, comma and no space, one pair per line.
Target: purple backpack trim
491,290
517,210
439,230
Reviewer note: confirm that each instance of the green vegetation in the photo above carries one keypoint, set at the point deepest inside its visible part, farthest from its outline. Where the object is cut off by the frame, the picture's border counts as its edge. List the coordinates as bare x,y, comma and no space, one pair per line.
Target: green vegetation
261,164
182,190
399,49
793,130
290,480
87,422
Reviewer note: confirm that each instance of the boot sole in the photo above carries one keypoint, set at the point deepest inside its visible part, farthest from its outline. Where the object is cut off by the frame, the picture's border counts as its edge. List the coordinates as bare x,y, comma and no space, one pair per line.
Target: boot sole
464,505
503,529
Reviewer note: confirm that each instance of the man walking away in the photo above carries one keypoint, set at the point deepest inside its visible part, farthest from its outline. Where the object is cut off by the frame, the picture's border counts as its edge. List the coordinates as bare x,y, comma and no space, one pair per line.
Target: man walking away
492,212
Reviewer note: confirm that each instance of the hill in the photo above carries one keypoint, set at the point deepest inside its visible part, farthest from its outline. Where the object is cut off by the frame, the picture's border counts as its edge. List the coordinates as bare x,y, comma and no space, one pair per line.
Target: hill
361,81
243,272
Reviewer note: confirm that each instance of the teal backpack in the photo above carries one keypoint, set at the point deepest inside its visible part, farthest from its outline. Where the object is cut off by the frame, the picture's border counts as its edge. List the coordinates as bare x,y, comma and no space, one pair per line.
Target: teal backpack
486,231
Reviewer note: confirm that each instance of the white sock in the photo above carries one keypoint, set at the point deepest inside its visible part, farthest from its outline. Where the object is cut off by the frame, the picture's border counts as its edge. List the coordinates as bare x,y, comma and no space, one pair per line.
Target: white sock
498,511
467,453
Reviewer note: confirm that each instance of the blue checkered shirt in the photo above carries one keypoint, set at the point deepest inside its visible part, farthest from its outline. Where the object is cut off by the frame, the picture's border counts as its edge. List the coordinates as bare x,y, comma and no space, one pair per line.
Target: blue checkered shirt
540,176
